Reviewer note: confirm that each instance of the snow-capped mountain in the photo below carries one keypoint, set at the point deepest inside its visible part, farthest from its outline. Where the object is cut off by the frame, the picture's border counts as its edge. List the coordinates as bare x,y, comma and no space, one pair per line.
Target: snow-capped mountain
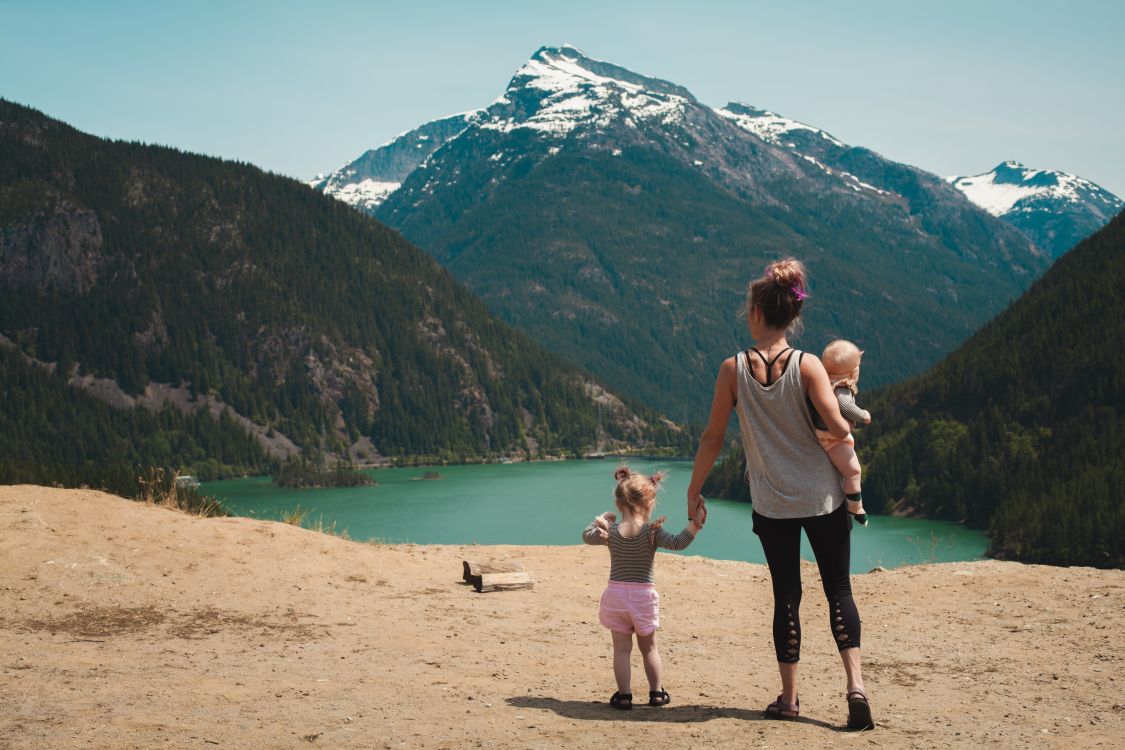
1054,208
587,193
367,181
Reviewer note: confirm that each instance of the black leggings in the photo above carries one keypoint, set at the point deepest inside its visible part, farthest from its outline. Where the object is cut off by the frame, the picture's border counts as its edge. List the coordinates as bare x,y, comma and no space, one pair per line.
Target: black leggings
830,536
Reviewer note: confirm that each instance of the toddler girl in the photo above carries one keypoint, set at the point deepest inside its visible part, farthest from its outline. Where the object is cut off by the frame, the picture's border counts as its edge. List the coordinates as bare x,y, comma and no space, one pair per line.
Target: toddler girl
841,360
630,603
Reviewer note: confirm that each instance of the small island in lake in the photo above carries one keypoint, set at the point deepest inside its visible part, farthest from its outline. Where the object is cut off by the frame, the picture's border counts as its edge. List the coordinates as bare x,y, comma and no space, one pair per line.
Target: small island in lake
303,473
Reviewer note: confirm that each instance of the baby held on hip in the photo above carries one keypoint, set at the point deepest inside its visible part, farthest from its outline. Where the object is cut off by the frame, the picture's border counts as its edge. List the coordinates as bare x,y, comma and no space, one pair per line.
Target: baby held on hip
842,361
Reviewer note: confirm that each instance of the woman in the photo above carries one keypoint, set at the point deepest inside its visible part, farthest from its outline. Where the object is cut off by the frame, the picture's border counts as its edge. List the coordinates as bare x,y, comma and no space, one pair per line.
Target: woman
793,484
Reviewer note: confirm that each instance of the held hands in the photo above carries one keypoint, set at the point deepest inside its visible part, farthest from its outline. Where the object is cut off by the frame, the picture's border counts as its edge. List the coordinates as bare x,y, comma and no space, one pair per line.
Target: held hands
700,516
697,510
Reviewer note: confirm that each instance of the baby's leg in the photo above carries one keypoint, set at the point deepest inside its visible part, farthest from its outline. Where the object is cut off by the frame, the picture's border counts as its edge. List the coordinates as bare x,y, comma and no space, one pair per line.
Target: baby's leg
653,667
844,459
622,651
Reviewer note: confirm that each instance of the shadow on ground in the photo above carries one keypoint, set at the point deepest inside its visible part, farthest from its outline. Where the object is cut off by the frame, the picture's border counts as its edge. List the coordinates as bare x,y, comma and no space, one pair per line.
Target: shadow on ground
677,714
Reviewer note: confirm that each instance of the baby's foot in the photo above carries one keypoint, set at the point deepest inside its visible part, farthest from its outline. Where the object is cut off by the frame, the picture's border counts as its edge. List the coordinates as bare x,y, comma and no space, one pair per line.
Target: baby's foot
855,507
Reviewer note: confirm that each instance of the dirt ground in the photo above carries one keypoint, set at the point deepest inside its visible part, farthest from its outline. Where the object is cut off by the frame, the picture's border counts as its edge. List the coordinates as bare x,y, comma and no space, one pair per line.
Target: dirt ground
132,626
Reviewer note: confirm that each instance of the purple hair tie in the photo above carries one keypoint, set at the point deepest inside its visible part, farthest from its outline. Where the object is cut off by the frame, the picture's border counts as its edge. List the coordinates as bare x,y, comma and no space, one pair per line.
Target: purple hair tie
798,292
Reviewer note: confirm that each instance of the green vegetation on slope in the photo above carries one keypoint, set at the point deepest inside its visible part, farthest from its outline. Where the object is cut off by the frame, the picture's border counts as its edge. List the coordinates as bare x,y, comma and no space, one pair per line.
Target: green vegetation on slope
144,264
1021,430
635,265
52,433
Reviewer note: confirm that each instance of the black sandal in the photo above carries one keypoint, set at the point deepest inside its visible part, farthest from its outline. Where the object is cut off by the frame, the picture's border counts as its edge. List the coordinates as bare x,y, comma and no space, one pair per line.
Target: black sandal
779,709
623,701
859,711
659,697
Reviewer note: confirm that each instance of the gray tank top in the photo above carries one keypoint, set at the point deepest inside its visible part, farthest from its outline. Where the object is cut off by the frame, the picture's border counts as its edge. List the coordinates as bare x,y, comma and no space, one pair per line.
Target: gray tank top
789,474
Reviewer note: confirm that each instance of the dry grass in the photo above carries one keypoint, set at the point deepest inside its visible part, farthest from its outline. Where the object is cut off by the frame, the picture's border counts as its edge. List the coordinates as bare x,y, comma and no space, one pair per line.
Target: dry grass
164,488
295,517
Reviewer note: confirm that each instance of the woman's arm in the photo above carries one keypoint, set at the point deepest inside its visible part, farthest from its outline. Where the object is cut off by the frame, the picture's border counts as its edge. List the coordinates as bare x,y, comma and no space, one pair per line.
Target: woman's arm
819,390
711,442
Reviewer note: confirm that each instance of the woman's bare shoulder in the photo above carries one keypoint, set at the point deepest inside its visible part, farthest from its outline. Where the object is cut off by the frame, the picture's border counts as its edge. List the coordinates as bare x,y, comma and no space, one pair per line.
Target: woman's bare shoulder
810,362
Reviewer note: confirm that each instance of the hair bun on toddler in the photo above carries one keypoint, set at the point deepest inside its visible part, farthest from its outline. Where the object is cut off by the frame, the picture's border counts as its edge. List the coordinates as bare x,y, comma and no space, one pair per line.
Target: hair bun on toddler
621,473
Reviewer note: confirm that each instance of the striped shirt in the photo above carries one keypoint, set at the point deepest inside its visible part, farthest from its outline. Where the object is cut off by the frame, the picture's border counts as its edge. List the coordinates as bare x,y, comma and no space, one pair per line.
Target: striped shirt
631,558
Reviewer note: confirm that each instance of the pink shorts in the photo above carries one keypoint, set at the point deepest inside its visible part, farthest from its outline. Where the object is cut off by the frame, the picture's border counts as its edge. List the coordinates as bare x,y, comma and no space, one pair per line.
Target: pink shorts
828,441
629,607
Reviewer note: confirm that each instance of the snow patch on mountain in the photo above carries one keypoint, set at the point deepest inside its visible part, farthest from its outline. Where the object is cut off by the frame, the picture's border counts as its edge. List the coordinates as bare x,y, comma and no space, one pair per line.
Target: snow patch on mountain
574,91
1008,187
366,182
770,126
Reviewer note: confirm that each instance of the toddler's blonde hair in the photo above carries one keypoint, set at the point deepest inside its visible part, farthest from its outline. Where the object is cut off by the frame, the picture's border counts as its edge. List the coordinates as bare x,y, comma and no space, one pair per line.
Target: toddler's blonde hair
841,358
635,491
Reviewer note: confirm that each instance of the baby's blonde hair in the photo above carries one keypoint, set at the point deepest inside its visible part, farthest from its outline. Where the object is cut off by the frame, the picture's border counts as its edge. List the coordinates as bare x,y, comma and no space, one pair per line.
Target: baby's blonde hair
636,491
841,358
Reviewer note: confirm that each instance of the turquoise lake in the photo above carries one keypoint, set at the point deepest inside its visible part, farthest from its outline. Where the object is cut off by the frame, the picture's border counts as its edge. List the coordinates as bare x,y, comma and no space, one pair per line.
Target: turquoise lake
551,502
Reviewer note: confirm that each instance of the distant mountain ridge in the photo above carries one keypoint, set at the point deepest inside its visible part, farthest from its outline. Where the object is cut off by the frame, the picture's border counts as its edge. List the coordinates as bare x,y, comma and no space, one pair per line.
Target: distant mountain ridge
1054,208
367,181
154,277
617,220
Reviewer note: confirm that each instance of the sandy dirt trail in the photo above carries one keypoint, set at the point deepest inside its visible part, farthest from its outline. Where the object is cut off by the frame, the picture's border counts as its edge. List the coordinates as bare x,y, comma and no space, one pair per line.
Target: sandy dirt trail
131,626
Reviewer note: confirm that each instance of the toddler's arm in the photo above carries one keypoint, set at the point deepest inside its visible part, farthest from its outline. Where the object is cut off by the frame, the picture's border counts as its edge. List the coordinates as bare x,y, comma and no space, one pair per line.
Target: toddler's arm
849,409
662,538
598,530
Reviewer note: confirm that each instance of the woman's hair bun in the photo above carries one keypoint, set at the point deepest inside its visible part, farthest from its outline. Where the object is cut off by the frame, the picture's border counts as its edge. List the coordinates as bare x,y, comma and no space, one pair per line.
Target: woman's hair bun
621,473
788,272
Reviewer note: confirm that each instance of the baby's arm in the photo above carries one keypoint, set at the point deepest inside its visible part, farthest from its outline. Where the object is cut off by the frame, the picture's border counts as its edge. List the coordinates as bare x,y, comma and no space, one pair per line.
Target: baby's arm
849,409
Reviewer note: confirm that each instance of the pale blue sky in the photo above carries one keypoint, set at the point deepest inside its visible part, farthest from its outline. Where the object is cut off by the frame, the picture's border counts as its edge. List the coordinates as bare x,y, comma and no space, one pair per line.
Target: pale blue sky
951,86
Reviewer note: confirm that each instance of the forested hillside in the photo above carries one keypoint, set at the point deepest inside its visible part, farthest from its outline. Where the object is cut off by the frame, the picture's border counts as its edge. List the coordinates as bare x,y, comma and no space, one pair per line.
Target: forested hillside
1021,430
53,433
145,265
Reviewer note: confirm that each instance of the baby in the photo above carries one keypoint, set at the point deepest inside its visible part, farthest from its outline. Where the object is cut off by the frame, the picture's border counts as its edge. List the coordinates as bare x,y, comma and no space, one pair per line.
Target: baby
630,603
841,360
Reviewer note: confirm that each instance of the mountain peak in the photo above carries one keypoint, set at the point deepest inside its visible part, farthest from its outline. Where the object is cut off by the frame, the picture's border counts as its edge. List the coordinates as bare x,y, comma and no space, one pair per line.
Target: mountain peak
561,89
566,66
1055,208
568,51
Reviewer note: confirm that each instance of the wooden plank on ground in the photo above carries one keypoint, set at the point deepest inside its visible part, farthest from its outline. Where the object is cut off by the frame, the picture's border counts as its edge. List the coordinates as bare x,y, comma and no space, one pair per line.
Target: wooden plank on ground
474,569
510,581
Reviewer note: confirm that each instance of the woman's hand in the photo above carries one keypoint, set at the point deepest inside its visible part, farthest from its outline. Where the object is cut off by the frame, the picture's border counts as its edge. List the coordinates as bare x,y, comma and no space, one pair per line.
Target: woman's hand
694,502
700,516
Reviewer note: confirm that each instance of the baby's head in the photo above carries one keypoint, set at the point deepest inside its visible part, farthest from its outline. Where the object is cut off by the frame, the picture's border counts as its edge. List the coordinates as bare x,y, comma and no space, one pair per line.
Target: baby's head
636,493
841,360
